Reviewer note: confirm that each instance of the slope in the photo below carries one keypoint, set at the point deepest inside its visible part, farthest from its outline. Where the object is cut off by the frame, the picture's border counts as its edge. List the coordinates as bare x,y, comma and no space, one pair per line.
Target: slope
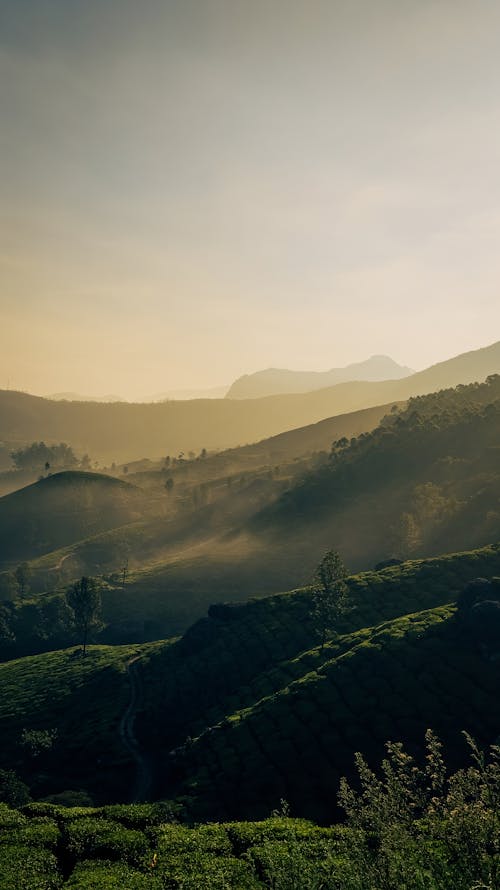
426,480
220,696
82,700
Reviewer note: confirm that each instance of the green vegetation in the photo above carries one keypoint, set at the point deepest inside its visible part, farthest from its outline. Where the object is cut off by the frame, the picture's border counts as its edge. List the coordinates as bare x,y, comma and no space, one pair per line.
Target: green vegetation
246,708
416,826
55,706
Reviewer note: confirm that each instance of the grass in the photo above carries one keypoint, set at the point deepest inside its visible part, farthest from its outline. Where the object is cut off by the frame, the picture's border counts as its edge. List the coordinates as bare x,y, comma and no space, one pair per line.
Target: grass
82,699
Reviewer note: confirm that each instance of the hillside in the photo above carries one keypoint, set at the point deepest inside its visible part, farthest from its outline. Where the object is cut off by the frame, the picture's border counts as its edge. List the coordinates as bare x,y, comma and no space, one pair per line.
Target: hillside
248,689
253,710
61,509
277,381
123,432
426,480
82,700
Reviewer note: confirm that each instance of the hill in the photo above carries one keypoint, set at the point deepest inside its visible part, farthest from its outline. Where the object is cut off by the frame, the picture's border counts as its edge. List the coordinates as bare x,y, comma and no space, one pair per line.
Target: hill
82,700
61,509
427,479
246,708
121,432
252,710
277,381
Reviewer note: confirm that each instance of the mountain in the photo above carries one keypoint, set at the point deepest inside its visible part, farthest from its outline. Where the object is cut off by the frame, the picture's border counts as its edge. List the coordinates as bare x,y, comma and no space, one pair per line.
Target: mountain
121,432
276,381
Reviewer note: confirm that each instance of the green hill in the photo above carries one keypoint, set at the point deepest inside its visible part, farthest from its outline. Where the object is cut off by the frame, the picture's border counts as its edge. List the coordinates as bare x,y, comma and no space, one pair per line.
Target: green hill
61,509
252,709
82,700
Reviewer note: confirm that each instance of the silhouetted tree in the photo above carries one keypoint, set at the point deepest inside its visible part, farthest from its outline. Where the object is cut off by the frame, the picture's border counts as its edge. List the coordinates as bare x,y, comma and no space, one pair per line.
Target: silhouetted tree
124,573
85,601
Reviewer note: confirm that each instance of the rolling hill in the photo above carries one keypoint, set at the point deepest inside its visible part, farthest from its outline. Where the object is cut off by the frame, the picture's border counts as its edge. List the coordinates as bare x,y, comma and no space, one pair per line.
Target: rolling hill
425,481
61,509
121,432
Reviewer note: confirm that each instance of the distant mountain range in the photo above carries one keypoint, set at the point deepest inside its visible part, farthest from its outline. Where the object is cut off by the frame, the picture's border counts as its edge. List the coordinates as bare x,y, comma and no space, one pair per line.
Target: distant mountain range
277,381
77,397
123,431
214,392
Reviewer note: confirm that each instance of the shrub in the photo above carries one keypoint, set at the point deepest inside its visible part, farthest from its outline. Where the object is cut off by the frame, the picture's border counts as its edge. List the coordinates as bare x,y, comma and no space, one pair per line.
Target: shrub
90,838
28,868
102,875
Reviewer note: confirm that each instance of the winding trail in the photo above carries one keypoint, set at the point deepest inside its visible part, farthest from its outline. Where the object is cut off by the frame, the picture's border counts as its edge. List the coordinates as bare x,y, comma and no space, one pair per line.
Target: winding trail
143,779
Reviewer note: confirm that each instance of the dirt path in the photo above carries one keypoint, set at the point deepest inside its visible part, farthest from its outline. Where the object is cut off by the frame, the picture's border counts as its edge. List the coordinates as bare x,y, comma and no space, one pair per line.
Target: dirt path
143,779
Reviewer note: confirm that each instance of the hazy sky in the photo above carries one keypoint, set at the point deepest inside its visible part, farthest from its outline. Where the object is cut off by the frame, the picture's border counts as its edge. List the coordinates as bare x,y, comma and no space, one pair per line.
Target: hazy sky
195,189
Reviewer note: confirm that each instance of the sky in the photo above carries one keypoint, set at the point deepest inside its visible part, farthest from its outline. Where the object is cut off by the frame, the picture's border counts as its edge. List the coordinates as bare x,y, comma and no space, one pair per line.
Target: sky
191,190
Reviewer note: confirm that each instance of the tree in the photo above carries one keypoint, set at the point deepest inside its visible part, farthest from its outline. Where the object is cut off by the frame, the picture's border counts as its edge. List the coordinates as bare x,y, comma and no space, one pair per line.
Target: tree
169,484
22,575
38,455
84,600
330,594
124,574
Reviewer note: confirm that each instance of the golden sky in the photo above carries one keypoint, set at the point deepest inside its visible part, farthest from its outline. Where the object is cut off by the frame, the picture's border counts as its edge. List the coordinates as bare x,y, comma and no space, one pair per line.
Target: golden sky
195,189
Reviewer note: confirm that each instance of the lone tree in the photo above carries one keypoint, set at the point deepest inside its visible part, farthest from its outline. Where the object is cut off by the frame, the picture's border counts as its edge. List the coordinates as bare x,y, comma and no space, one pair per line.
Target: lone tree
330,594
84,600
23,574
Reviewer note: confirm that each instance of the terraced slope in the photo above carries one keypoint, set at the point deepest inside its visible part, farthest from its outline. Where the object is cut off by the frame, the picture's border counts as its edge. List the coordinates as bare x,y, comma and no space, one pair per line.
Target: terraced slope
219,697
391,683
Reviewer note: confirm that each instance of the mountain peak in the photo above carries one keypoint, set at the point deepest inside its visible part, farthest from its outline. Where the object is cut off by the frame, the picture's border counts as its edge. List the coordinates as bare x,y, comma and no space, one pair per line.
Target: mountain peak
279,381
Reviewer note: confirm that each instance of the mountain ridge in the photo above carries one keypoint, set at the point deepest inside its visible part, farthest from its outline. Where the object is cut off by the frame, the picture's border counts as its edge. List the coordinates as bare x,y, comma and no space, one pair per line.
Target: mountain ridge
279,381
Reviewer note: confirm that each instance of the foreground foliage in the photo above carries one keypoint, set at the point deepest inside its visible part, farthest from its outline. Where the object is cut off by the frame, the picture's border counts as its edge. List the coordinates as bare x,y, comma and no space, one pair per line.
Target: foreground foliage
413,827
